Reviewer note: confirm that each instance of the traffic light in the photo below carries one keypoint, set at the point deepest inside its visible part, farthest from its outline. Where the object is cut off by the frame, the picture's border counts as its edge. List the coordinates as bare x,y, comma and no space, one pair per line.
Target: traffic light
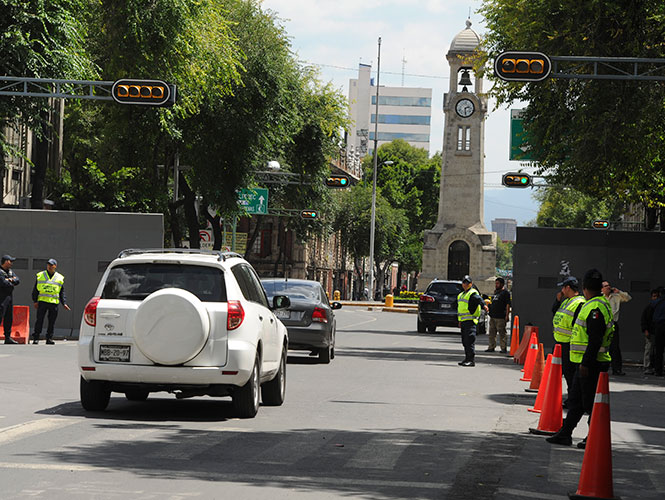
601,224
309,214
144,92
522,66
513,179
338,181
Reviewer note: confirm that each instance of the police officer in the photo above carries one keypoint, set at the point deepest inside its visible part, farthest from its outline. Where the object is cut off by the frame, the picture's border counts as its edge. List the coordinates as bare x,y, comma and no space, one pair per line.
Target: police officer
48,292
8,280
565,308
468,312
590,354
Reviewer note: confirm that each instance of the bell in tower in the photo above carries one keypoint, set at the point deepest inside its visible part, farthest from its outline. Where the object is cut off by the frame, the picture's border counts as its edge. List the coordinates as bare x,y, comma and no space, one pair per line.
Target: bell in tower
459,243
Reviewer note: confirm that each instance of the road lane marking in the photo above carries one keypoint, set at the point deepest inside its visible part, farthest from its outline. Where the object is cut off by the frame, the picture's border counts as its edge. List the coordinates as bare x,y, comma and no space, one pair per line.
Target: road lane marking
290,451
188,446
380,452
29,429
353,325
531,494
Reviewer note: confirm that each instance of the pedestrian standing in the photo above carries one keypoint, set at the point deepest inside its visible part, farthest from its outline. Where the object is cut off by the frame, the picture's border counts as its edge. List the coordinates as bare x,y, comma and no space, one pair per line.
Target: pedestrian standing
469,304
646,323
659,328
8,280
48,292
499,315
615,297
565,308
589,351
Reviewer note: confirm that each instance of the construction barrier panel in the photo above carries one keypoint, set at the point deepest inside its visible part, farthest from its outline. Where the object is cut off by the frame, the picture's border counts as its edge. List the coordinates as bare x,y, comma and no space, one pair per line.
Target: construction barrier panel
20,325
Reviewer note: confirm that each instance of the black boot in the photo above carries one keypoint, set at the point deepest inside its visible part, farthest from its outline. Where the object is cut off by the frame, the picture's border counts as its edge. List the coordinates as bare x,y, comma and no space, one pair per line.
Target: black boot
561,437
9,340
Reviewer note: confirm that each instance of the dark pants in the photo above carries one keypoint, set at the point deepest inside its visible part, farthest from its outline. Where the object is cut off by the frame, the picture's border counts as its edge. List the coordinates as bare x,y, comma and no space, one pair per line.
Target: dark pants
659,347
469,339
44,308
581,396
7,314
615,351
568,367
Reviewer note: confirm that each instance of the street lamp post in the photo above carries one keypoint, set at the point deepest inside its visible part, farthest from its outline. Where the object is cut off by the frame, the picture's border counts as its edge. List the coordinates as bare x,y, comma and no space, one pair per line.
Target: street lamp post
372,226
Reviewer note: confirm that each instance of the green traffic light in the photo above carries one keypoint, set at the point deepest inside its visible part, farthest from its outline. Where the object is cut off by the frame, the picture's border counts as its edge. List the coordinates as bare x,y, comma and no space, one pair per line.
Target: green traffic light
523,180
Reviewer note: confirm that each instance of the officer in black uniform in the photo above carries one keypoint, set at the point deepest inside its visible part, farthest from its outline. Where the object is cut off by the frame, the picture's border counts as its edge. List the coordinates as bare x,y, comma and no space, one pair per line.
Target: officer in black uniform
8,280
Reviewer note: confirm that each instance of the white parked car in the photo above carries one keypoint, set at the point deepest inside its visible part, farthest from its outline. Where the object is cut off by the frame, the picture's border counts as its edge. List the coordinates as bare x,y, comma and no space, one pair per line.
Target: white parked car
188,322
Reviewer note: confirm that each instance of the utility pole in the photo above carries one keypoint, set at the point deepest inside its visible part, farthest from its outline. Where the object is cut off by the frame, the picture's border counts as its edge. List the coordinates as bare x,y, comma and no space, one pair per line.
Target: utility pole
376,144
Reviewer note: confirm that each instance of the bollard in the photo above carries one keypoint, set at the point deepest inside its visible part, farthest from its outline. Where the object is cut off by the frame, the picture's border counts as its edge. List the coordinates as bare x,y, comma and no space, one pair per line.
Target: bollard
389,300
336,295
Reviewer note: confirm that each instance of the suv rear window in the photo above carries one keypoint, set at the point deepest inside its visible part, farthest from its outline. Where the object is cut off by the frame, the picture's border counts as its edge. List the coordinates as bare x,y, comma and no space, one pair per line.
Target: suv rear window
444,289
137,281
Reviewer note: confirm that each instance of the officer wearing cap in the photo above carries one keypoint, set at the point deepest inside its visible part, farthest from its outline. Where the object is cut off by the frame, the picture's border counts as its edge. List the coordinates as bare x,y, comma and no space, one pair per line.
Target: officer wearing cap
565,309
469,303
8,280
48,292
589,353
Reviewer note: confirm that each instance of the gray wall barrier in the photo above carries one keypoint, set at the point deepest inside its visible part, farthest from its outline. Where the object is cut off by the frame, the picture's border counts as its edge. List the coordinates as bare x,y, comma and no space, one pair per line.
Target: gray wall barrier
83,243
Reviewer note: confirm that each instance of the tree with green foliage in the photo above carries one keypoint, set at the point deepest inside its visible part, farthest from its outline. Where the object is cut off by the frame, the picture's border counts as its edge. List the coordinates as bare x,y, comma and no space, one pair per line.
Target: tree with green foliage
39,39
603,137
566,207
504,255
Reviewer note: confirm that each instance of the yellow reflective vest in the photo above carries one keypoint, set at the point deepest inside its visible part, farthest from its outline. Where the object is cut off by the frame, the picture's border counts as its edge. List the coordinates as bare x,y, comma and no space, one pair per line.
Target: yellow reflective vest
580,338
463,313
563,319
49,287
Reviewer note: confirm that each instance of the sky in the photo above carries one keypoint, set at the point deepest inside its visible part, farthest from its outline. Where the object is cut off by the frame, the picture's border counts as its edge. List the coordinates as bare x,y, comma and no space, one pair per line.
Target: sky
338,35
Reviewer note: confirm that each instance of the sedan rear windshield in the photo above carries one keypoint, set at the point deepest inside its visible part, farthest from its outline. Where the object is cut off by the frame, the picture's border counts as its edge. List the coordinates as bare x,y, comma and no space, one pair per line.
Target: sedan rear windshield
444,289
309,291
137,281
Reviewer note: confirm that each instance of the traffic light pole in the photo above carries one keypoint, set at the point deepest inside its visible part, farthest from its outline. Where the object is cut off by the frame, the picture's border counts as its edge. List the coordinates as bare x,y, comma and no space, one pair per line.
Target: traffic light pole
52,87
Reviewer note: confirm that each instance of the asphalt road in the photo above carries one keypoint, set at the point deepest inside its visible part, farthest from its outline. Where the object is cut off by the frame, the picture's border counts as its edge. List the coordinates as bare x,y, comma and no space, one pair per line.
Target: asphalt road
393,416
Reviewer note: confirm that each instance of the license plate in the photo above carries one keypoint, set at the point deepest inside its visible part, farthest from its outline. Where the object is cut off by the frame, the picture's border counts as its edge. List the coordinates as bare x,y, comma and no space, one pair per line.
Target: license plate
114,353
283,314
444,306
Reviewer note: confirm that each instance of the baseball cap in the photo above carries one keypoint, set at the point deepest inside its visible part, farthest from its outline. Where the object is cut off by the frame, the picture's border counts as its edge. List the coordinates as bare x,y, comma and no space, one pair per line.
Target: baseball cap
8,257
52,262
467,279
570,280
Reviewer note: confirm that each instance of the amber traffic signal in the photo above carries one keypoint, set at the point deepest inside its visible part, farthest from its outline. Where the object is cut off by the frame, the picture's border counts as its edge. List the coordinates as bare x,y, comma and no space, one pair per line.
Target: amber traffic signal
144,92
338,181
522,66
512,179
309,214
601,224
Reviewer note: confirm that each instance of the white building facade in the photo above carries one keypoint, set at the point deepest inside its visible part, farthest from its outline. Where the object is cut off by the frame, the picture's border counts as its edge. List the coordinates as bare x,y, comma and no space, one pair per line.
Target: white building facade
404,113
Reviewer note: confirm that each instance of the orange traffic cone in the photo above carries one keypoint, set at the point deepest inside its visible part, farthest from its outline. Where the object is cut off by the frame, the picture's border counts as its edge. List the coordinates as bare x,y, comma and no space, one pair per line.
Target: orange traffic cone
538,405
551,417
538,368
522,348
530,358
596,474
515,336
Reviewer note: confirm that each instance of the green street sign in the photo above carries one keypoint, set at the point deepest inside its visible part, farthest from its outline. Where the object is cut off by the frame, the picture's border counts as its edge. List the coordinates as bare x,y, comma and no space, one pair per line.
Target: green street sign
254,201
519,145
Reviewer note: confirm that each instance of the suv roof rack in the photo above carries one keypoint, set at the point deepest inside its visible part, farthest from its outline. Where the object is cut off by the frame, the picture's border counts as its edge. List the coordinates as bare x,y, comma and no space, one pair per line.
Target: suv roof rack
220,255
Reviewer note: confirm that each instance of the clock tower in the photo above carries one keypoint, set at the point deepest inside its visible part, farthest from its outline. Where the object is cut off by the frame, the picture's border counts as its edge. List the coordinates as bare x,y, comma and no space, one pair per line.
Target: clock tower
459,243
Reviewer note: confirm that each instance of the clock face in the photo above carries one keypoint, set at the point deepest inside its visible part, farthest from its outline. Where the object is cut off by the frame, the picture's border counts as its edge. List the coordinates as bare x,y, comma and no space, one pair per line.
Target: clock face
465,108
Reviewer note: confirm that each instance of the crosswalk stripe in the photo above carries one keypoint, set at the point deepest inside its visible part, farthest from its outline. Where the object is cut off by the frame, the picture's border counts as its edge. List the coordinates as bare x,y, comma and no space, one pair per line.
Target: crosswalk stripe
187,446
381,452
290,451
20,431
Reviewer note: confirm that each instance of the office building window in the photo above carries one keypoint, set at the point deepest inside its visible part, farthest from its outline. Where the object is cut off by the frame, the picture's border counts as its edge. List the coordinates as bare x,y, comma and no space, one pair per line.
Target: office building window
402,119
391,136
386,100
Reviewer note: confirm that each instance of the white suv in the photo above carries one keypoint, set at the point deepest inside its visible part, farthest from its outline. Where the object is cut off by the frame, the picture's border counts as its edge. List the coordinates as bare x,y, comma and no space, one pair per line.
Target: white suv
189,322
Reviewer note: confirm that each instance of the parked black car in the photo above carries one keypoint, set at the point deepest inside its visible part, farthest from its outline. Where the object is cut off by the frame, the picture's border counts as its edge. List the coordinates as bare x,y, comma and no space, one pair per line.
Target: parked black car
309,319
438,307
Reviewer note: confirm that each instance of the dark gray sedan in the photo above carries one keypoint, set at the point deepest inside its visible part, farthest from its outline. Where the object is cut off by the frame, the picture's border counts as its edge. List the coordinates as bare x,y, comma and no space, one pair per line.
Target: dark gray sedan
309,319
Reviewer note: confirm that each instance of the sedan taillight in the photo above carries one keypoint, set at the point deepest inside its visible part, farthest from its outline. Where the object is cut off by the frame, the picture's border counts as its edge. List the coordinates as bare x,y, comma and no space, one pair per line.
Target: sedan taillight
426,298
235,315
319,315
90,311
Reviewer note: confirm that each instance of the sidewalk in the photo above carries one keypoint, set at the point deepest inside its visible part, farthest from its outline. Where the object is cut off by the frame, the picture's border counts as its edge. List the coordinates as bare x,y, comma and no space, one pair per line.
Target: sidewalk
370,305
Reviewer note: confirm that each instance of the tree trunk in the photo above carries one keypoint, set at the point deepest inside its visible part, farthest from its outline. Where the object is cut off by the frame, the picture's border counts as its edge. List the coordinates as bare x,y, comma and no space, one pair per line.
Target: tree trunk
255,233
40,157
191,218
216,226
174,224
3,167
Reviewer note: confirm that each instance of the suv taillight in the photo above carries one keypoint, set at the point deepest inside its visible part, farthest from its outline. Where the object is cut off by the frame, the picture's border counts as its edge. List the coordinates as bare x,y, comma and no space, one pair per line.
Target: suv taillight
426,298
319,315
235,316
90,312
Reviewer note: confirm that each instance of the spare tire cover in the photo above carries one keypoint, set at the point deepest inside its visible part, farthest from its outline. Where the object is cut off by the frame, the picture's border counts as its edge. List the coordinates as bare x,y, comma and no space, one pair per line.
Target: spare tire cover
171,326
